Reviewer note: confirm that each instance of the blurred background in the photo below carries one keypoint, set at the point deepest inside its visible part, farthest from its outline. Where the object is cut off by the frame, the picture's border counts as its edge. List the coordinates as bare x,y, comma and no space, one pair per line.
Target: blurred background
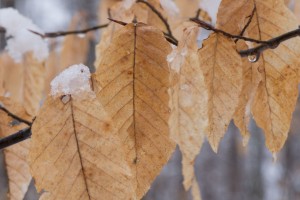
235,173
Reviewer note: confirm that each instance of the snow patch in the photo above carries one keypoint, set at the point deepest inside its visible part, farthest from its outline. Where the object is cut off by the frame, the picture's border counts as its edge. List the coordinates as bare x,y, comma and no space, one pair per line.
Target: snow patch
75,81
20,40
128,4
176,58
211,7
187,99
170,7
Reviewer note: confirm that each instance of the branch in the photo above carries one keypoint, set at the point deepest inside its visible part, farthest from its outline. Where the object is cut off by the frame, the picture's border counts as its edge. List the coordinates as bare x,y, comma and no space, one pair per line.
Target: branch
64,33
270,44
167,36
15,138
248,23
14,116
170,37
209,27
2,29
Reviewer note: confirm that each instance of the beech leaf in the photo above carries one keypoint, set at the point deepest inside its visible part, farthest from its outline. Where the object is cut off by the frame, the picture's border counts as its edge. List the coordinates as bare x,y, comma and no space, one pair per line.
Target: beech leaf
76,153
189,99
276,96
24,82
15,157
222,67
133,83
232,19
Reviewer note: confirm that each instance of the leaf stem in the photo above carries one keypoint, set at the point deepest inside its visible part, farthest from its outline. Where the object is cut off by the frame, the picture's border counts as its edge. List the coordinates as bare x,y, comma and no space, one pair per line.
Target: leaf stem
64,33
15,138
15,116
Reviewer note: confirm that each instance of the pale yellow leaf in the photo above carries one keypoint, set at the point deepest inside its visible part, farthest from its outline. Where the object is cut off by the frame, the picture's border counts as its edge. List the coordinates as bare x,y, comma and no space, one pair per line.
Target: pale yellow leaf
222,67
15,157
134,80
189,99
76,153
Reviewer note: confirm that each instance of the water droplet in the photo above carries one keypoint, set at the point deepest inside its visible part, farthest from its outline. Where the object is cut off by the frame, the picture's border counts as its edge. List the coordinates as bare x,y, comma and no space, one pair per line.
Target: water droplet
253,58
65,99
81,35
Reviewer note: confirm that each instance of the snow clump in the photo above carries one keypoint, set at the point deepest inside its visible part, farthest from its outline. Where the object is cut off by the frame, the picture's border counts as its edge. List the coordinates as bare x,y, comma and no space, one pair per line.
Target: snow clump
19,39
74,81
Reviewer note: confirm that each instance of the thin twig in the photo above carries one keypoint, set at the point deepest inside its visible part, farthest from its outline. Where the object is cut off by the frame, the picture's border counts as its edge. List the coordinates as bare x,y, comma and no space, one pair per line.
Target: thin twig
248,23
118,22
198,13
270,44
15,138
14,116
64,33
167,36
169,33
2,29
207,26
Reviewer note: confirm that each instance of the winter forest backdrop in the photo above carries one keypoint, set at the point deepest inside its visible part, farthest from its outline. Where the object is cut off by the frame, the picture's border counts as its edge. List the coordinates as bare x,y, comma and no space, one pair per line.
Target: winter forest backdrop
234,173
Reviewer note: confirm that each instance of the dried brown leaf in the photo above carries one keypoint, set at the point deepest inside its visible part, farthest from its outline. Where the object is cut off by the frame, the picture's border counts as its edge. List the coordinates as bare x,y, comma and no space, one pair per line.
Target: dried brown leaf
140,11
2,70
188,8
297,10
232,19
15,157
222,67
13,77
134,81
276,96
34,82
24,82
195,190
118,12
189,99
76,153
52,65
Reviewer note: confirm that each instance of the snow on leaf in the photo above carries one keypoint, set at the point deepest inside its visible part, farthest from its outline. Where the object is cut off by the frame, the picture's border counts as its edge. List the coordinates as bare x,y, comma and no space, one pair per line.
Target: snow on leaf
22,41
134,77
15,156
222,67
75,81
170,7
188,100
211,6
